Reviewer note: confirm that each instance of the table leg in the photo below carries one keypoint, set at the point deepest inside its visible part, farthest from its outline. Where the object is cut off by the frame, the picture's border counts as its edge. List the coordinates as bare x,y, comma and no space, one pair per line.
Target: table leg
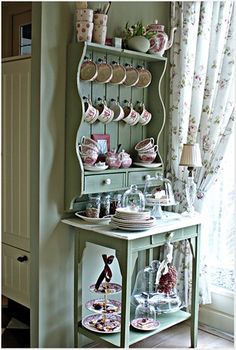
79,249
195,291
125,259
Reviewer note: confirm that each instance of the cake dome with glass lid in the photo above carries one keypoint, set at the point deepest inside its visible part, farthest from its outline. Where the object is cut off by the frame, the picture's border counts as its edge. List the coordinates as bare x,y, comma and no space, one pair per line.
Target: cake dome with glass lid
158,192
133,199
159,281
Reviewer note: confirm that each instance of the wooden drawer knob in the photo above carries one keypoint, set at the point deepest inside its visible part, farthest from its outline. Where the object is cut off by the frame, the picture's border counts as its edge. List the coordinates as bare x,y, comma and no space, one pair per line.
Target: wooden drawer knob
22,258
107,181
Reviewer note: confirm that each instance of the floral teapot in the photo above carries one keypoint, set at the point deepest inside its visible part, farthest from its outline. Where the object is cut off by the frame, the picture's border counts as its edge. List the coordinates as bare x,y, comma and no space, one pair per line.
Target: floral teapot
159,41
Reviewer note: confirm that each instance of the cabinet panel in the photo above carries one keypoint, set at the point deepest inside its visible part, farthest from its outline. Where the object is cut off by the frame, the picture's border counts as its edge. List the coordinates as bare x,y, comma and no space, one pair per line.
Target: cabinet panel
16,91
15,274
139,177
104,183
77,182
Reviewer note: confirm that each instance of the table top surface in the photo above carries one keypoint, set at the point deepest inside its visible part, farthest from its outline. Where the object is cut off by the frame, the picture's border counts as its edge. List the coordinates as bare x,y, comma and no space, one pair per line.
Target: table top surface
172,222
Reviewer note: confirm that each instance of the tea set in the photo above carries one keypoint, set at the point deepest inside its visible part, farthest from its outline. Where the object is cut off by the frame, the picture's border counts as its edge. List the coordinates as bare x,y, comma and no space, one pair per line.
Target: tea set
115,112
89,151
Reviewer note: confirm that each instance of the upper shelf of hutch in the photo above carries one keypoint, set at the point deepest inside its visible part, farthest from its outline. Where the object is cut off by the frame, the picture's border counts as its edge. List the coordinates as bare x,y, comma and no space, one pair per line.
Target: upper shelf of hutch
122,52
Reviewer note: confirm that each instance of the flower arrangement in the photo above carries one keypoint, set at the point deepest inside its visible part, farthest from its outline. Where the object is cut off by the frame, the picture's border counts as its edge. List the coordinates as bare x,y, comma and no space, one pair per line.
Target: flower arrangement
137,29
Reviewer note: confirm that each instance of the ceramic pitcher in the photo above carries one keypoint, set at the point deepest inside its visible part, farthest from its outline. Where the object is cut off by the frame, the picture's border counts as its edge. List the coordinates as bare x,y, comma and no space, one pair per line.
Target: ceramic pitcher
159,42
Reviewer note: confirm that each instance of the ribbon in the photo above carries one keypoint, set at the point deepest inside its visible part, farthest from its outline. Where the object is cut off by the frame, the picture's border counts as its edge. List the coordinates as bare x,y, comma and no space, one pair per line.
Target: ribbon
106,272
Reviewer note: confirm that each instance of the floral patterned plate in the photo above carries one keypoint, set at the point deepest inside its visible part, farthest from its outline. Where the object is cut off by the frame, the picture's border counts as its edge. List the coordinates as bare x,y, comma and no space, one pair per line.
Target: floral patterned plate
112,288
96,323
97,305
145,324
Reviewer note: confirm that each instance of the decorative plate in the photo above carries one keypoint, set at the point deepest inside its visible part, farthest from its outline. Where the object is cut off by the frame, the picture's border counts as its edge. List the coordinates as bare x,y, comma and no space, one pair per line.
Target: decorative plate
81,215
119,74
133,229
96,323
105,73
132,76
88,71
145,78
95,168
96,305
150,165
145,324
112,288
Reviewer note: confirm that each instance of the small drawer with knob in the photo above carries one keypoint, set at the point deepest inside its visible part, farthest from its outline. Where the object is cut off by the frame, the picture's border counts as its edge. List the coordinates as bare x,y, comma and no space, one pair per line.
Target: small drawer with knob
139,177
104,183
16,274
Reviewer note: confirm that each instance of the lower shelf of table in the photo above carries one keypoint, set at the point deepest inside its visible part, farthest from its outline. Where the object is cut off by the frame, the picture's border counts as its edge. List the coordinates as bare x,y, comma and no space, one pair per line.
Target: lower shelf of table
166,321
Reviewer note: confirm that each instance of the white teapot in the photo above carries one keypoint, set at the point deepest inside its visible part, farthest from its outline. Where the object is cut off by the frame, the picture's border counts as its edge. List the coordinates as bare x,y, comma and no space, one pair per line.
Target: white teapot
159,41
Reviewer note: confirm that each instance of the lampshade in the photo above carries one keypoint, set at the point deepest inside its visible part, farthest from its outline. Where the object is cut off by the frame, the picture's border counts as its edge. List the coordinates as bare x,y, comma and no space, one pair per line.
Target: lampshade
191,155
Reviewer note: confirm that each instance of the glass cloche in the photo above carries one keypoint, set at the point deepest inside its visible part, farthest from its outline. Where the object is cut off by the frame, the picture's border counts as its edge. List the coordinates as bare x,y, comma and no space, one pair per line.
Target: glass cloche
158,192
133,199
145,310
162,295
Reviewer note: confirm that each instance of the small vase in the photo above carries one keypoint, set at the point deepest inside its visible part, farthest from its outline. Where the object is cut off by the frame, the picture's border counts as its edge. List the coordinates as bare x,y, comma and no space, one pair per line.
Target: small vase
138,43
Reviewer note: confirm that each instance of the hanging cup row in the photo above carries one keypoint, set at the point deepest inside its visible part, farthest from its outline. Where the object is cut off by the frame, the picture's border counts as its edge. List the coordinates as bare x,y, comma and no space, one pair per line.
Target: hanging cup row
115,112
115,73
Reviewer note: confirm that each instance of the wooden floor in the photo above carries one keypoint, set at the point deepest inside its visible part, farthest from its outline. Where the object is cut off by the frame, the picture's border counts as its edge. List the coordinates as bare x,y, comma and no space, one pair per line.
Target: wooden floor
179,337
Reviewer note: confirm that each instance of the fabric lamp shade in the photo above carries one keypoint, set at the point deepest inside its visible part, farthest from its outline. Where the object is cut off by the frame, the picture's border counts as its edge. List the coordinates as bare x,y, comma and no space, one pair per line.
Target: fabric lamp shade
191,155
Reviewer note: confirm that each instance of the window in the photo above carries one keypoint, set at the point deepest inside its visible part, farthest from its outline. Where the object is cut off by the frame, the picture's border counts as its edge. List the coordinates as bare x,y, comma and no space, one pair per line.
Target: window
221,226
25,39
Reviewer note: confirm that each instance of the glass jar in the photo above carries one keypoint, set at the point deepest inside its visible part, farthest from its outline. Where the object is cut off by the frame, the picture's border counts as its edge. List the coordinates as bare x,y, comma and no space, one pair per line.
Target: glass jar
133,199
144,310
116,202
93,206
105,205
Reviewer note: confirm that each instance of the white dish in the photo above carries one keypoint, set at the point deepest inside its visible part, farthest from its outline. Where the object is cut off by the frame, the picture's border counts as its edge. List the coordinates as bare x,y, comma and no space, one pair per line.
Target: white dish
95,168
138,228
90,321
112,288
138,324
81,215
97,305
151,165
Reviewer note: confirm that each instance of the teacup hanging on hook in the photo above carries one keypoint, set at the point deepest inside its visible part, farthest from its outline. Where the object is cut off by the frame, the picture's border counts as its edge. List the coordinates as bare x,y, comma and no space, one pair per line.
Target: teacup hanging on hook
88,70
132,75
119,73
105,72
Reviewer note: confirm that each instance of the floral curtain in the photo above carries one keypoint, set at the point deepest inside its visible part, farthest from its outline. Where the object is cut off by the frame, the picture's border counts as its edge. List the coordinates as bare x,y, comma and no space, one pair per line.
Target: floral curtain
201,105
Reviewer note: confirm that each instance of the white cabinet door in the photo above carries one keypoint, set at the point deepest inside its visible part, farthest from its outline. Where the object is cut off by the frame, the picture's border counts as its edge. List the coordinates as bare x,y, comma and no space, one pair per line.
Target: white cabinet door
16,274
16,94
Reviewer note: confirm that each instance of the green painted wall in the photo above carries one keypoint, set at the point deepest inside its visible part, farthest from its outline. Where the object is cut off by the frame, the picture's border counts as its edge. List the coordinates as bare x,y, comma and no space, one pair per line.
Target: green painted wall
52,323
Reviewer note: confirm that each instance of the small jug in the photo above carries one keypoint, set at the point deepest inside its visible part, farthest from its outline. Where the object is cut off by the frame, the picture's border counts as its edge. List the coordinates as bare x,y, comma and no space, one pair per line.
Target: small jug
113,159
126,161
159,41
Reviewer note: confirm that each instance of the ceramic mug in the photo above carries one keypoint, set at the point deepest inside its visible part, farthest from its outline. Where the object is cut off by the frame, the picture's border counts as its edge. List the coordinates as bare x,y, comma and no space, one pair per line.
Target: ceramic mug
117,109
87,150
84,30
84,15
91,113
87,141
145,116
100,18
89,159
145,144
147,157
105,113
99,34
149,150
131,116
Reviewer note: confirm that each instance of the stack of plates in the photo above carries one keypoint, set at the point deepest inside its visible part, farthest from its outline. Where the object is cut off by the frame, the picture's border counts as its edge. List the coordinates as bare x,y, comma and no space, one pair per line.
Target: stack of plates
128,220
